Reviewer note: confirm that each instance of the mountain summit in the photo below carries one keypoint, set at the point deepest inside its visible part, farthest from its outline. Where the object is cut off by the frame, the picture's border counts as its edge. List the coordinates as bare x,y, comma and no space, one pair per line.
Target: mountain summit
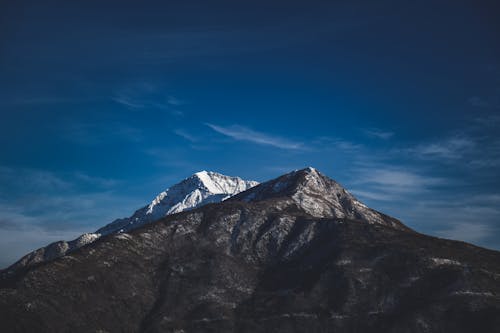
201,188
318,196
294,254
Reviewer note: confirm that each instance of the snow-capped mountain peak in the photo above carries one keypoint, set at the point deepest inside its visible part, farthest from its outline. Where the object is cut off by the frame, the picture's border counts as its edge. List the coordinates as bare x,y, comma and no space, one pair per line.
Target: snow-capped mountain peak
217,183
318,196
201,188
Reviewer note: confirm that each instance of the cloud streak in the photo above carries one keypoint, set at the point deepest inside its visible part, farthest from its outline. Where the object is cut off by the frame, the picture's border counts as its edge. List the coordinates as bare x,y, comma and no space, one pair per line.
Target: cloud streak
242,133
147,96
470,232
399,179
378,133
329,143
450,148
185,135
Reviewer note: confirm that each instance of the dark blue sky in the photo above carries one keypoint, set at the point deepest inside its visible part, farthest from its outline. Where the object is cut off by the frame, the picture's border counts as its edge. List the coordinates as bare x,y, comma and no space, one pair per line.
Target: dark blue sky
104,104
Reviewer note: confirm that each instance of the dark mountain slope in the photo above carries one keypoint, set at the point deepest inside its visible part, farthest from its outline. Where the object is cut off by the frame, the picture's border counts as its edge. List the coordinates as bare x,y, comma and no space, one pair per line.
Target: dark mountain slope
201,188
259,266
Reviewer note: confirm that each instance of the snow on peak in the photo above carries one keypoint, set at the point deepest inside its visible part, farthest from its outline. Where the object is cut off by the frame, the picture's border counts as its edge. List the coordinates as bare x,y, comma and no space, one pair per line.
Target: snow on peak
201,188
217,183
317,195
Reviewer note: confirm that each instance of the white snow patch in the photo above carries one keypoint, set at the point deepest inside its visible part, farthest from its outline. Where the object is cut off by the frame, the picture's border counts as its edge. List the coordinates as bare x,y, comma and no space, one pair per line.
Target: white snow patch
473,293
201,188
123,236
86,239
444,261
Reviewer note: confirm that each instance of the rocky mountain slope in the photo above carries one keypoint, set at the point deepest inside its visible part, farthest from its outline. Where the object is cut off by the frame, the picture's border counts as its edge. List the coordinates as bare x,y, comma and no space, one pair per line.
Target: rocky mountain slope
318,196
295,254
201,188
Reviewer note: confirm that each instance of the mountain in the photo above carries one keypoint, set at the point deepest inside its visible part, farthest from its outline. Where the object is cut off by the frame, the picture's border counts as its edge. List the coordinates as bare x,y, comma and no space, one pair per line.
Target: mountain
201,188
298,253
318,196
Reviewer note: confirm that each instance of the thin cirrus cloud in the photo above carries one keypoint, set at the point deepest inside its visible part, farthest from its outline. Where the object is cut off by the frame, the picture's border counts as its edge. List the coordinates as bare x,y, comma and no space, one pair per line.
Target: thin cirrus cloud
455,216
145,95
242,133
399,179
471,232
450,148
136,103
378,133
185,135
387,184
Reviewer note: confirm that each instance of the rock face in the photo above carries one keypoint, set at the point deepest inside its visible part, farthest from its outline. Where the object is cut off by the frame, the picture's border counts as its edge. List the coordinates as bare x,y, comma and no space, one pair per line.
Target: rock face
271,259
201,188
318,196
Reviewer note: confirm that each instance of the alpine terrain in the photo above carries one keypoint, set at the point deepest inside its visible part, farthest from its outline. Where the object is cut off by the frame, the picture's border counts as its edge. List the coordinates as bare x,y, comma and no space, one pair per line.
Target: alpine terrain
201,188
298,253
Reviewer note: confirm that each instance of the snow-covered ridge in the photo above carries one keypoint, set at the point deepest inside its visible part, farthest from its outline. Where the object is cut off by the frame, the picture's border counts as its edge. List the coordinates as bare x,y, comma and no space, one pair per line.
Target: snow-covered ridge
193,190
201,188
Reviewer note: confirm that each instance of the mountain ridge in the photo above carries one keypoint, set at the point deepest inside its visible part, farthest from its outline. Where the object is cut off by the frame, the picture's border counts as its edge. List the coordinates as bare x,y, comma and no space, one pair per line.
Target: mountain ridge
200,188
259,265
319,196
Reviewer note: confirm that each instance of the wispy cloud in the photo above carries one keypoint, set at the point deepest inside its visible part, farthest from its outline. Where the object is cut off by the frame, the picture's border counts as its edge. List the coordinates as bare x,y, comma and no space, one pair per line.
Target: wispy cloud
142,104
148,96
186,135
449,148
242,133
378,133
469,232
460,216
328,143
477,146
172,100
125,101
374,195
384,183
403,180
